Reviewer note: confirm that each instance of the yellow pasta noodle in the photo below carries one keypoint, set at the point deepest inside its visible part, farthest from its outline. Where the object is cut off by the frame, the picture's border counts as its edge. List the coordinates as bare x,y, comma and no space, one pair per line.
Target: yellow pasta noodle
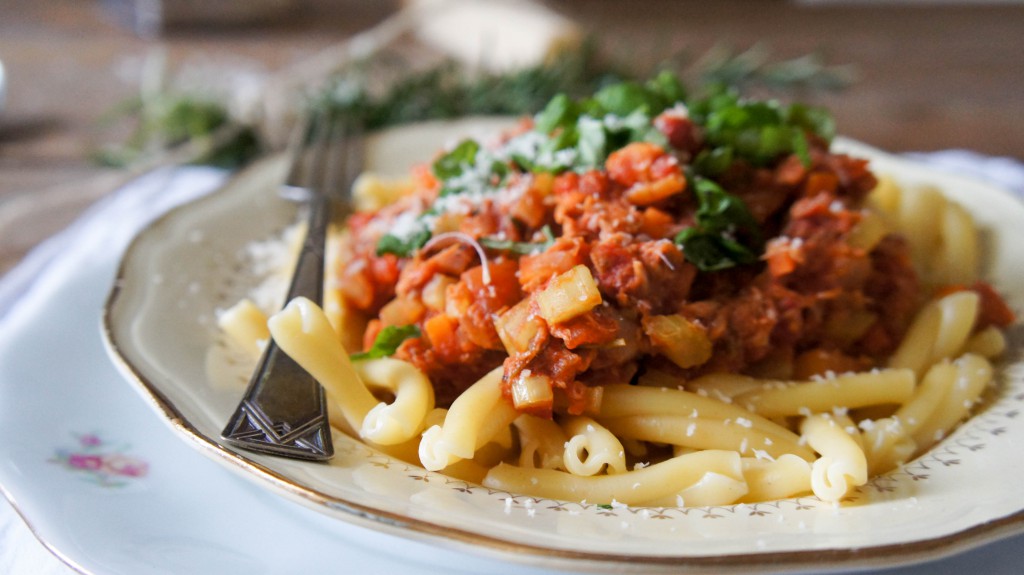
402,419
591,448
246,325
938,332
541,442
972,373
706,433
655,482
626,400
304,333
889,442
945,241
989,343
842,465
845,391
769,479
473,419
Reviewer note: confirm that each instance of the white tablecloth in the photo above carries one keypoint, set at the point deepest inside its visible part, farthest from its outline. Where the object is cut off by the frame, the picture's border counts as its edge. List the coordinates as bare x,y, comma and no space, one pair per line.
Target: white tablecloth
22,554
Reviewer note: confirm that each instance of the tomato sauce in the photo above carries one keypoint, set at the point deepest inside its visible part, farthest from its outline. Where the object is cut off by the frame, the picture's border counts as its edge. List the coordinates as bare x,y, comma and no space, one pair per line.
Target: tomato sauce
812,302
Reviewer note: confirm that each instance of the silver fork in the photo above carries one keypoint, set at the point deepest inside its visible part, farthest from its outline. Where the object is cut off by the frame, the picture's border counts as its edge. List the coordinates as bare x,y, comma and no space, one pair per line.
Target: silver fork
283,411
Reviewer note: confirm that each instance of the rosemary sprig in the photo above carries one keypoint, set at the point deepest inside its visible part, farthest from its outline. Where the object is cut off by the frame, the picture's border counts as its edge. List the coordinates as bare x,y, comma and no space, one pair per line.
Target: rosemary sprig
753,68
164,118
449,90
167,120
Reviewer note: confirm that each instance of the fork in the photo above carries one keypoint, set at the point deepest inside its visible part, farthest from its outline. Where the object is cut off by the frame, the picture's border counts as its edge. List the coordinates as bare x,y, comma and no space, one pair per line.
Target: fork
283,411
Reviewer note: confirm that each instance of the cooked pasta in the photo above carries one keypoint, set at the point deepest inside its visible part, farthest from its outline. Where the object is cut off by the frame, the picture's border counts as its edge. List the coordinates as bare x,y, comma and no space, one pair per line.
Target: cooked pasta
623,302
246,325
591,448
769,479
474,418
842,464
651,484
945,246
849,391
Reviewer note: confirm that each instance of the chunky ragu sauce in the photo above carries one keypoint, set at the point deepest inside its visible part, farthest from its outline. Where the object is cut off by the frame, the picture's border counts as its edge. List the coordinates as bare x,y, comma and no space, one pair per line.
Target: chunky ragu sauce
812,300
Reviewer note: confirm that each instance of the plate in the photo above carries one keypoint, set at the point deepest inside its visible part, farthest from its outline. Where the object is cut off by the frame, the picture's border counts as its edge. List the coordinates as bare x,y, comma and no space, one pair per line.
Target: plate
160,330
110,489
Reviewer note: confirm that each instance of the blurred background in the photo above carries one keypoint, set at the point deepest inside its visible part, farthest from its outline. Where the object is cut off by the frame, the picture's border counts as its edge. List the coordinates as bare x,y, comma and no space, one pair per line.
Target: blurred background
911,75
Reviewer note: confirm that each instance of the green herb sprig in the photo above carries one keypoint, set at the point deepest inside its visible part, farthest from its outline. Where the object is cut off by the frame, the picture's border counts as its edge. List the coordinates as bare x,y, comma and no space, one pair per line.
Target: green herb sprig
520,248
387,341
403,247
725,235
758,131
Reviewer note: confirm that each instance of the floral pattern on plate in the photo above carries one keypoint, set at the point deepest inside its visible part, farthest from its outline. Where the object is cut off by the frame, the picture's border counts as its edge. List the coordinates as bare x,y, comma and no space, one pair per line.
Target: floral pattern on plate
101,462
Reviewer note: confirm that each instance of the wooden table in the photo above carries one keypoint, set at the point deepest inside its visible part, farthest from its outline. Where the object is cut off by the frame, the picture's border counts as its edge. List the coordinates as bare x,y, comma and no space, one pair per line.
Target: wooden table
929,77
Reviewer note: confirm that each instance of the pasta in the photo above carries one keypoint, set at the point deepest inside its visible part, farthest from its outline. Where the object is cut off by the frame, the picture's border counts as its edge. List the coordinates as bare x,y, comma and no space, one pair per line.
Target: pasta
621,302
475,418
591,448
842,463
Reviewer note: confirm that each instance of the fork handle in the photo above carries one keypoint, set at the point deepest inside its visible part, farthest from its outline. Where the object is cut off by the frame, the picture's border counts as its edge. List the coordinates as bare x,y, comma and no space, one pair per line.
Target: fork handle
284,411
308,280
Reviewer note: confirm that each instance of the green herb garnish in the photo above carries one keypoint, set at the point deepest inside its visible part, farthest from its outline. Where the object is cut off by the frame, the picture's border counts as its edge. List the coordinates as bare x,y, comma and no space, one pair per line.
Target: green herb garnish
387,341
579,135
403,247
454,162
758,131
725,235
521,248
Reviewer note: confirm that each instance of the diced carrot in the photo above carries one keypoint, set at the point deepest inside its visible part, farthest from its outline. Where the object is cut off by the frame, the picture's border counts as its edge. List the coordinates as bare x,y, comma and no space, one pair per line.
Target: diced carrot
656,223
632,164
423,176
781,261
440,330
535,270
373,328
791,171
566,183
503,288
819,182
530,208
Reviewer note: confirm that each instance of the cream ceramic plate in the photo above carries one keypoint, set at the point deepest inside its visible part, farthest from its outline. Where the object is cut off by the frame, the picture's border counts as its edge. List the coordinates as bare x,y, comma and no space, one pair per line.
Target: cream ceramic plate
159,327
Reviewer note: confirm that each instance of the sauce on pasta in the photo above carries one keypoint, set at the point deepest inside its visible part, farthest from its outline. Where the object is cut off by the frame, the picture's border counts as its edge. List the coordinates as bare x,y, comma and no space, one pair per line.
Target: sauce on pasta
753,266
656,299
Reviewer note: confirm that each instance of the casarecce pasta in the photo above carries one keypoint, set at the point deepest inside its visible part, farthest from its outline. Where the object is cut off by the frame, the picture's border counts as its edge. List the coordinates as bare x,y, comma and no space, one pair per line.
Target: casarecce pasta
626,305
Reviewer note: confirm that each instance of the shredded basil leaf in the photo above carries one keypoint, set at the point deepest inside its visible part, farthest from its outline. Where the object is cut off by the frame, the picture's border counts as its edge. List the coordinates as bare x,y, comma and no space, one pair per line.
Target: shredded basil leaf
624,98
725,234
813,119
387,341
560,112
668,86
389,244
453,163
521,248
580,134
757,131
593,141
802,149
